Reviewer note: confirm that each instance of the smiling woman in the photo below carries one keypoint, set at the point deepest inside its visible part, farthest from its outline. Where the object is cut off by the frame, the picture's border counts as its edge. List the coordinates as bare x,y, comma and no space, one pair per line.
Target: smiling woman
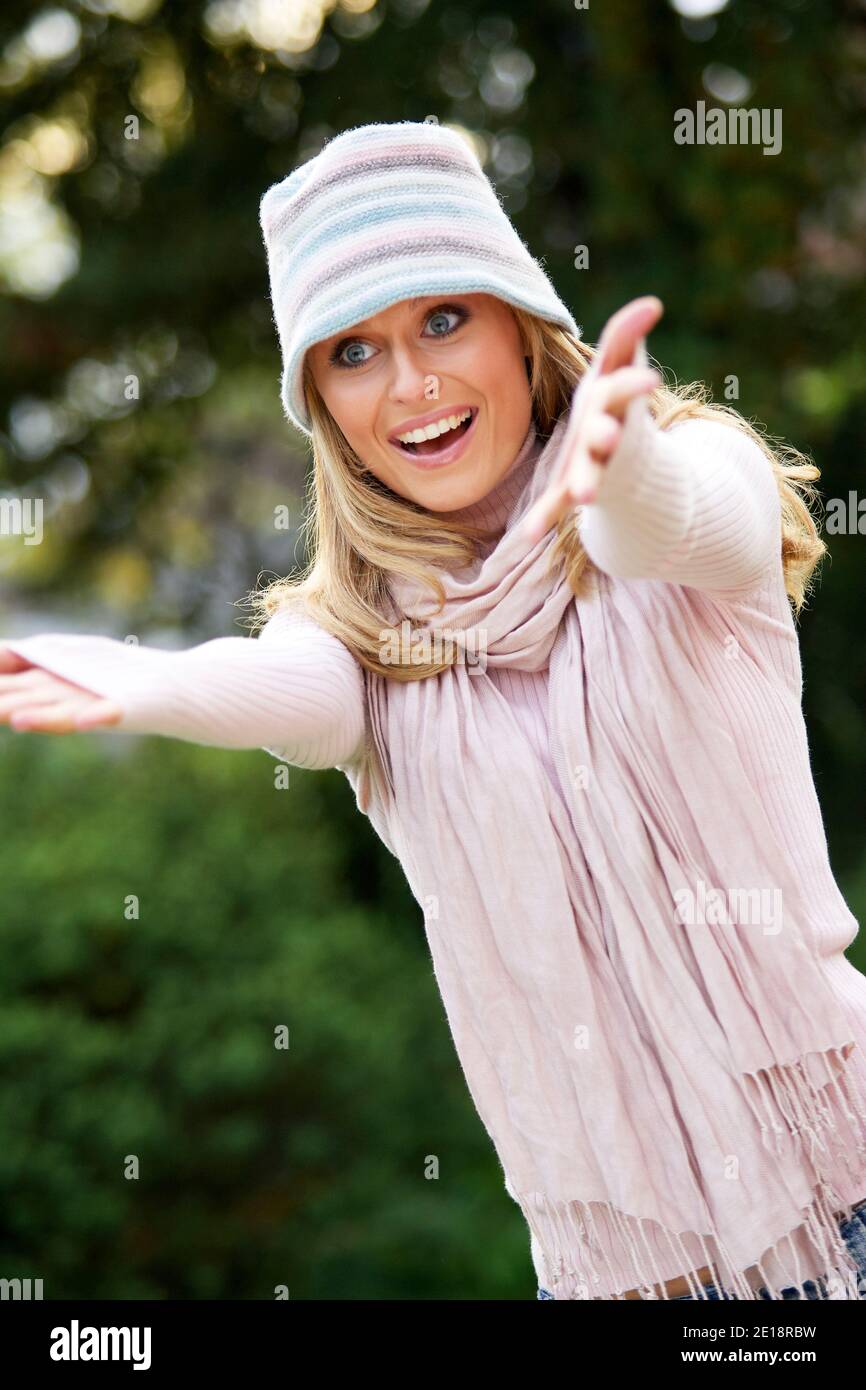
465,356
614,721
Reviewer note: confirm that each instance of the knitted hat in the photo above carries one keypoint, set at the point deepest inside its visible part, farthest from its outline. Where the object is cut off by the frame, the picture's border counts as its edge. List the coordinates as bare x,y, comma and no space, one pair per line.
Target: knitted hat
385,212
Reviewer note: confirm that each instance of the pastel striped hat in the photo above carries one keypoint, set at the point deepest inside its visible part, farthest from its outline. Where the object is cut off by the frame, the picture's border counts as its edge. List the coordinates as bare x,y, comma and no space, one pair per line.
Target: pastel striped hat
385,212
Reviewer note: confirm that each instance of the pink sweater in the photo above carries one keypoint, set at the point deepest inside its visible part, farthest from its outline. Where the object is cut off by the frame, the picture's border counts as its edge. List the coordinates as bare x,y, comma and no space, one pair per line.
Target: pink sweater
695,506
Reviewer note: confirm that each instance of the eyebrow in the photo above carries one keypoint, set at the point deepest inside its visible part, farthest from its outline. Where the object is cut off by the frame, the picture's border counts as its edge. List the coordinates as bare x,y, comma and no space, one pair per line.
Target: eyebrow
417,299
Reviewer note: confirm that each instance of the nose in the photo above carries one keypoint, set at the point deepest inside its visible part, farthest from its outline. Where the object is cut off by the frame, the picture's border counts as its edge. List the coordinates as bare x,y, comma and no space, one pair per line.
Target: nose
409,376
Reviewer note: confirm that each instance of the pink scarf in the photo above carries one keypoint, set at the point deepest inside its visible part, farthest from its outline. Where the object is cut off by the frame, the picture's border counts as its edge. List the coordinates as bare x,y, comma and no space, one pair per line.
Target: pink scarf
650,1084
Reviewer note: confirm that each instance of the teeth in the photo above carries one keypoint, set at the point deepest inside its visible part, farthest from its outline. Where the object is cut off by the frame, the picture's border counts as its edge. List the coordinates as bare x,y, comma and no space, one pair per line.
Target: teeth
448,422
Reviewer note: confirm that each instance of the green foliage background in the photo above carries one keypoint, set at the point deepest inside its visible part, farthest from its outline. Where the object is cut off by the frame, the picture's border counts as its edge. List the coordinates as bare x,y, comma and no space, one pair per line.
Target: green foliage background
154,1036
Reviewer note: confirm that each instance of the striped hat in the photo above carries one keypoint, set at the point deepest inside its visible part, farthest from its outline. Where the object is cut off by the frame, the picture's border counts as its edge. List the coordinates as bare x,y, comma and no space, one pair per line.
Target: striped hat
385,212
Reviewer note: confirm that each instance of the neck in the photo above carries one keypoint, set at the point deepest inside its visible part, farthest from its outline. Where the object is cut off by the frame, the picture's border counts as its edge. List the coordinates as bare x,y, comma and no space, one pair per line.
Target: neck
494,510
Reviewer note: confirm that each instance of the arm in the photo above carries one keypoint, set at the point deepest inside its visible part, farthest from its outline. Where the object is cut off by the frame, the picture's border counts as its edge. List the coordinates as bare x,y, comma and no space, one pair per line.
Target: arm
295,691
696,504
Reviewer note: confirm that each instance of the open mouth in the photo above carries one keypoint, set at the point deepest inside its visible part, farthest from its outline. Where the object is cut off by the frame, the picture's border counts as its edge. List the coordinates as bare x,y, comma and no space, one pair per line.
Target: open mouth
443,444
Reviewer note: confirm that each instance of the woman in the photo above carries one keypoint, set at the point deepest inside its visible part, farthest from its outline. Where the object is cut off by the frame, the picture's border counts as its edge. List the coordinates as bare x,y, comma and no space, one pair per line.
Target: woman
547,634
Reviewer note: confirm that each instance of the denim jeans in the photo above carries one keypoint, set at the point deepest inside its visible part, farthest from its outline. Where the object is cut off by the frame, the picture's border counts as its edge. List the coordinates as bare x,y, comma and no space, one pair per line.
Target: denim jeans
853,1232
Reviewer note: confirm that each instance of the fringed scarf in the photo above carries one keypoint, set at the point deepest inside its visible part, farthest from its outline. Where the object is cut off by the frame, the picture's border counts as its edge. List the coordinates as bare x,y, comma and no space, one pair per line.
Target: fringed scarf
663,1094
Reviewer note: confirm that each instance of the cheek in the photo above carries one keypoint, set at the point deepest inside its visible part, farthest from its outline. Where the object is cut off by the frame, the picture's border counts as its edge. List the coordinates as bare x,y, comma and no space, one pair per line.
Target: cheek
499,368
505,386
354,409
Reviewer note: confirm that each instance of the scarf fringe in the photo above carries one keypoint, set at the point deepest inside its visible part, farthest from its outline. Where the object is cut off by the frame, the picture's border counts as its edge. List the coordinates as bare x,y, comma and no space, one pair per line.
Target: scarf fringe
790,1109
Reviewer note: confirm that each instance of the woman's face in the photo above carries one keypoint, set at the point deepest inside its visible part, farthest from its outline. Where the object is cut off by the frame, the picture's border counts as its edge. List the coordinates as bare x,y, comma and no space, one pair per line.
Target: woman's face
421,361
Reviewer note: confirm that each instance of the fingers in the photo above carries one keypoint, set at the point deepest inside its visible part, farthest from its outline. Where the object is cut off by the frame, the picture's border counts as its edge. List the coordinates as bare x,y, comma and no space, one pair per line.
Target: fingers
601,436
587,447
621,333
609,394
601,432
56,719
29,699
598,425
22,678
597,414
105,712
583,406
64,717
31,686
616,392
547,511
580,486
543,514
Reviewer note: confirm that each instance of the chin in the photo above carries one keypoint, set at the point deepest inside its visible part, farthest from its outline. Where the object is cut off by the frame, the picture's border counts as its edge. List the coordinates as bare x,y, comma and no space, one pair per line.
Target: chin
449,496
455,501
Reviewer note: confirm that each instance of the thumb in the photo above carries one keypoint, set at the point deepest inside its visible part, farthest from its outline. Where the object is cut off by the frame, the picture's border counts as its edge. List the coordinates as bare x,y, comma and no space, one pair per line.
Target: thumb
541,516
11,662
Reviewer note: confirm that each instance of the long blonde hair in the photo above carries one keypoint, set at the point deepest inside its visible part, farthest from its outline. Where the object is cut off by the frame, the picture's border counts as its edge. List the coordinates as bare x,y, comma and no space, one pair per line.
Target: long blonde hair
358,532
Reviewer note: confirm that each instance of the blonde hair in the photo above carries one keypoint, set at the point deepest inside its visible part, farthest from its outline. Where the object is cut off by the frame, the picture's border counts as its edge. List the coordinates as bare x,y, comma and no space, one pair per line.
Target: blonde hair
359,532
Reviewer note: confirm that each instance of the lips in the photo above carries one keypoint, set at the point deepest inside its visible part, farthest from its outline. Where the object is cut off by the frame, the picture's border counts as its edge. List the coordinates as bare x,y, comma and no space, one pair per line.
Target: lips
444,450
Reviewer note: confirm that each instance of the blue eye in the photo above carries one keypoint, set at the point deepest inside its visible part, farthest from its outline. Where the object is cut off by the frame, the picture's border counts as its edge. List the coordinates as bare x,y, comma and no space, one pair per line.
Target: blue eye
440,315
350,347
443,314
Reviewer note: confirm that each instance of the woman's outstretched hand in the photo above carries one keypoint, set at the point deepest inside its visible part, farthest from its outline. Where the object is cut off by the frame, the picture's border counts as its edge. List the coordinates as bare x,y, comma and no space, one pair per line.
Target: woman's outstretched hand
596,419
32,698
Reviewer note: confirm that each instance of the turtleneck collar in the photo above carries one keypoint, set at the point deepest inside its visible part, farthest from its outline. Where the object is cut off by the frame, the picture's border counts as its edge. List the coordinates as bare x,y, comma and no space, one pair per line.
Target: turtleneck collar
494,509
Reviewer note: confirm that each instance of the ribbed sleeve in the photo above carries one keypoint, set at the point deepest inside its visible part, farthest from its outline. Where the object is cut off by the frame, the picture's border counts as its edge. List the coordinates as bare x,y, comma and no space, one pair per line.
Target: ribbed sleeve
696,504
295,691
